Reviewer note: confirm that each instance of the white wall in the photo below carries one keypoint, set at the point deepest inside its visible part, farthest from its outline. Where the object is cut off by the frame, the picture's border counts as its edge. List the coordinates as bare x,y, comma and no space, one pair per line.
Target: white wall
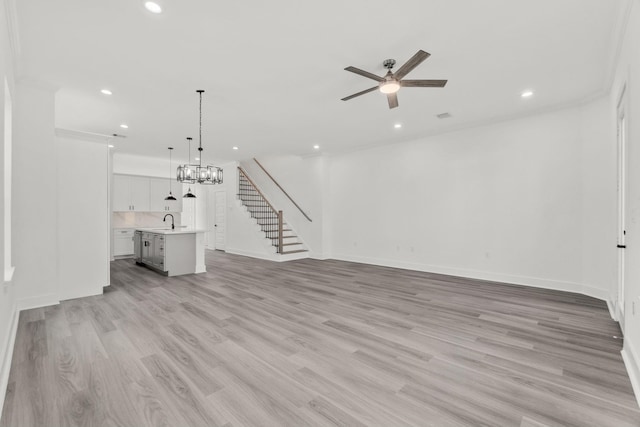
35,197
132,164
83,217
194,211
8,308
501,202
627,72
599,202
306,180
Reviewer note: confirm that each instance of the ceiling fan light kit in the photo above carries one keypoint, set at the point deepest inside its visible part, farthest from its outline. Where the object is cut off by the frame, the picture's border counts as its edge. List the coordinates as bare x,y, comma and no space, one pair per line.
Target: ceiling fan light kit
391,83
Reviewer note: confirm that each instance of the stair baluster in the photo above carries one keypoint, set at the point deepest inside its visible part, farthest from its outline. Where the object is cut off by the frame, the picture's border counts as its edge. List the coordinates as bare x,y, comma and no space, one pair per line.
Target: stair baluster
270,220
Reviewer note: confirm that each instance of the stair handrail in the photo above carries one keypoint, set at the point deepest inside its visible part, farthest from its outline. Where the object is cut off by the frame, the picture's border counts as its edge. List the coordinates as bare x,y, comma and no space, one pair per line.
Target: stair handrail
277,212
243,172
282,189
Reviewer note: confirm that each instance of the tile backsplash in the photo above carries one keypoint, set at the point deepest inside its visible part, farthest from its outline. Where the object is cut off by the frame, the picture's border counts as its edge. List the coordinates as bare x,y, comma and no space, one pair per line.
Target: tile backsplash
141,219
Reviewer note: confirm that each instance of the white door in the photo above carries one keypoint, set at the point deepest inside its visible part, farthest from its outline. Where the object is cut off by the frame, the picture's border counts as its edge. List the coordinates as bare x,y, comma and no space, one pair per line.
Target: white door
220,220
622,195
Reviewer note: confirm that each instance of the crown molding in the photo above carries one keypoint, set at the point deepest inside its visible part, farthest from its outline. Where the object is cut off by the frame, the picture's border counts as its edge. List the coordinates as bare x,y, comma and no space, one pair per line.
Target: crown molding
83,136
581,102
37,83
11,17
617,42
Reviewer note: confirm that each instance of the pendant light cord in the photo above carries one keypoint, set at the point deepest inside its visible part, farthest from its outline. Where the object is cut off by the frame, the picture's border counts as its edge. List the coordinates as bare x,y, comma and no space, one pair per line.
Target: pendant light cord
200,129
170,168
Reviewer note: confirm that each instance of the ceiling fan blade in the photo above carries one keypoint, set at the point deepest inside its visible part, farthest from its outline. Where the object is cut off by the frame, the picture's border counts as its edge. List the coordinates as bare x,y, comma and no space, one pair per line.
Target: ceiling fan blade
364,73
360,93
393,100
423,83
412,63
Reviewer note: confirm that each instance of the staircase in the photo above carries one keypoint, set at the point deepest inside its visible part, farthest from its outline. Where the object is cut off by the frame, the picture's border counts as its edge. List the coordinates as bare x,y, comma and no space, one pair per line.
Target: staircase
270,220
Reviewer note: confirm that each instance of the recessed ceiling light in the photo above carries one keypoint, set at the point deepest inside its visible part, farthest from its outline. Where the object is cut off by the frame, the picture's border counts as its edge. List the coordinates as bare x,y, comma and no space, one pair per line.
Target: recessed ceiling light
106,92
527,94
397,126
316,147
123,126
235,148
153,7
111,146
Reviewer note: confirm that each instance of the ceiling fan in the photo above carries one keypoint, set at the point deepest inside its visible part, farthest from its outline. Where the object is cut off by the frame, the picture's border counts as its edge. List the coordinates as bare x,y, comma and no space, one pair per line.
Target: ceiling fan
391,83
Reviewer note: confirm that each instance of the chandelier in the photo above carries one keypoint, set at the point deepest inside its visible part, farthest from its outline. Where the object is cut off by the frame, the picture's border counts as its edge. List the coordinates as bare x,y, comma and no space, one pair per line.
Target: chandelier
191,174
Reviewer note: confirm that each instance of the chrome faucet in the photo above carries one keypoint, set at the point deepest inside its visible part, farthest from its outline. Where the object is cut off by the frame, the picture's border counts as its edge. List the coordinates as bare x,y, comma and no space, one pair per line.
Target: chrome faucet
173,225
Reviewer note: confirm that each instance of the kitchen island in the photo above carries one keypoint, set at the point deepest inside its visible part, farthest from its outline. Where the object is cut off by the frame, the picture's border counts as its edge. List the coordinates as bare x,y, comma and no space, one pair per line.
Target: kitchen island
172,252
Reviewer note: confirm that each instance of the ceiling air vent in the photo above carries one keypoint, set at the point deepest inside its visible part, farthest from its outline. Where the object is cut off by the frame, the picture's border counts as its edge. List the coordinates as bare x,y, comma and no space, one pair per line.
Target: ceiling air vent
443,115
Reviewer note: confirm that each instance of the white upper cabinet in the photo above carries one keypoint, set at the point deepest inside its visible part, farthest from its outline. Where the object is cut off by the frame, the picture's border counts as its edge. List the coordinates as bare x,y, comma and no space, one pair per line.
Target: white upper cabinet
159,189
121,193
176,189
130,193
140,193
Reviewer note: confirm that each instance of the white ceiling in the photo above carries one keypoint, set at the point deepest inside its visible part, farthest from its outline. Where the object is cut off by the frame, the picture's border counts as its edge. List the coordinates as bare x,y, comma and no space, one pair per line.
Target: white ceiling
273,70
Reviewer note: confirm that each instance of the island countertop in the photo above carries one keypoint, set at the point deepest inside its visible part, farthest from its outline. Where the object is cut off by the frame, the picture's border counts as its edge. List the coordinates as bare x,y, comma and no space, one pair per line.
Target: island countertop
177,230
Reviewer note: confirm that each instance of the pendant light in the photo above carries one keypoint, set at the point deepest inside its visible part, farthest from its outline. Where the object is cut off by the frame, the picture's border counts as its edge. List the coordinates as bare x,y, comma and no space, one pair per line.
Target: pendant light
170,196
189,194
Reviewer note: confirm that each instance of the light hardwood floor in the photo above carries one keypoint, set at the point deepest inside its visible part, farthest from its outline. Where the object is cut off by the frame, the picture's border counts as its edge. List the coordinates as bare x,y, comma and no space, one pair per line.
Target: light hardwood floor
317,343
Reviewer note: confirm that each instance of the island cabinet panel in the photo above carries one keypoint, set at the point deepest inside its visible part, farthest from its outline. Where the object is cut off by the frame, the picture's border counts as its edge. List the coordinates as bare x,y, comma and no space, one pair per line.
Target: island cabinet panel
158,252
130,193
123,242
180,254
171,253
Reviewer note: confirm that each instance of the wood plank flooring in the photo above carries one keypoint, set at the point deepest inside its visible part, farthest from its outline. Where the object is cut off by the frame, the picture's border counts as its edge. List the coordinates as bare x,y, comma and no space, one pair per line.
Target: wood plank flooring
317,343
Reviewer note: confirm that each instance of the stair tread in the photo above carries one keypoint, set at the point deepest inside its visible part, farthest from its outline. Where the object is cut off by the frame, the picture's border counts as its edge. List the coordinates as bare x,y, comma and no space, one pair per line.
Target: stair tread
294,252
291,244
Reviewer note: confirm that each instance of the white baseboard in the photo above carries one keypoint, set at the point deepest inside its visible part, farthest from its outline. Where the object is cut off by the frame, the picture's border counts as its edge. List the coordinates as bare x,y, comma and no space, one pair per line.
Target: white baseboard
319,256
269,257
632,362
612,309
38,301
251,254
535,282
5,359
